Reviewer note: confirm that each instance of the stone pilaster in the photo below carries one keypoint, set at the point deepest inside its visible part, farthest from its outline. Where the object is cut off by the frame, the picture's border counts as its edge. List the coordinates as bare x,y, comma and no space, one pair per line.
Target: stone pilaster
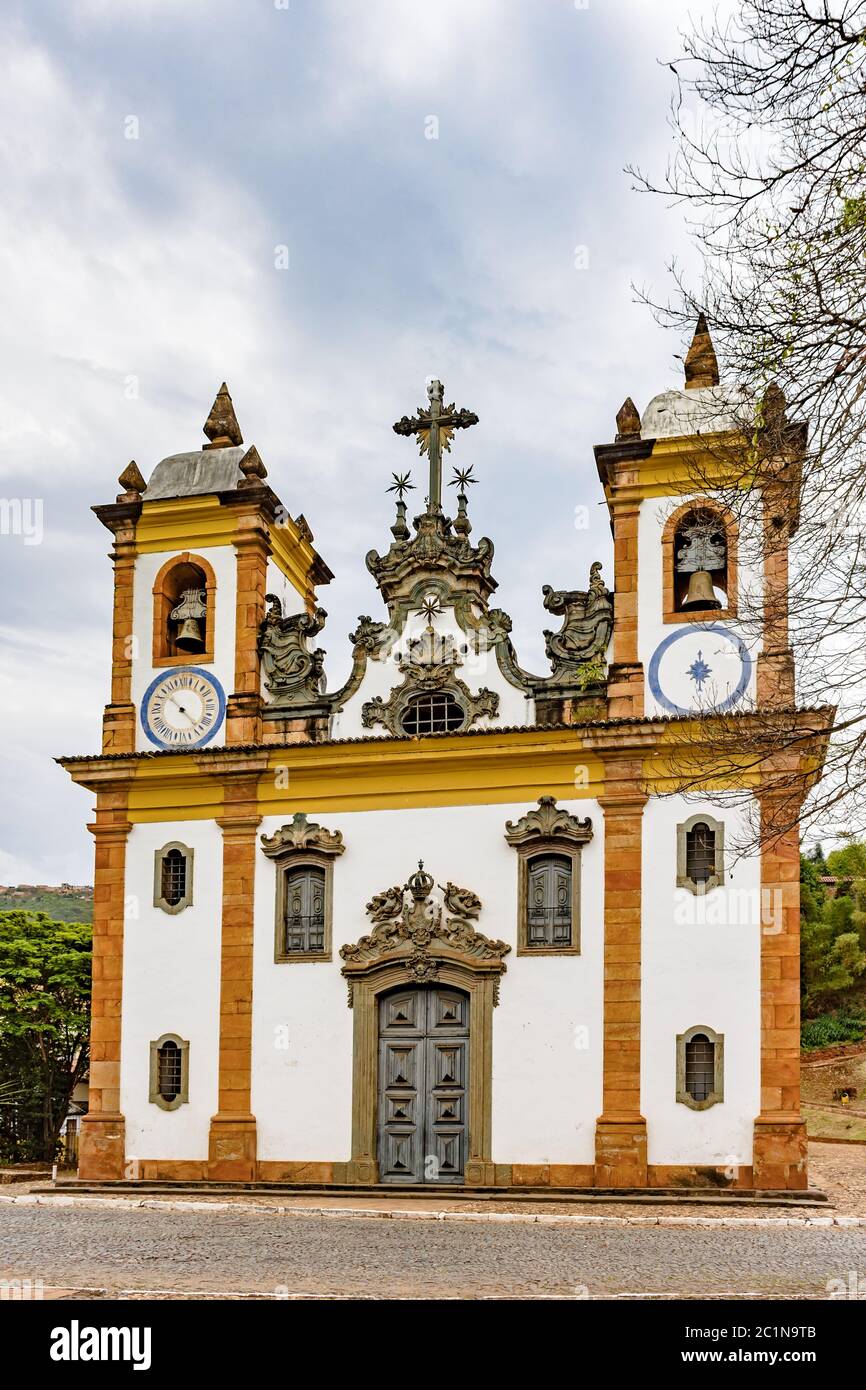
232,1141
244,706
102,1142
779,1158
620,1138
626,679
775,681
118,725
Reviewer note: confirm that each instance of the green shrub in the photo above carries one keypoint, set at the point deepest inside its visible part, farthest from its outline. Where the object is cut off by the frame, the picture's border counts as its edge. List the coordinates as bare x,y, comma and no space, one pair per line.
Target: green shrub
833,1028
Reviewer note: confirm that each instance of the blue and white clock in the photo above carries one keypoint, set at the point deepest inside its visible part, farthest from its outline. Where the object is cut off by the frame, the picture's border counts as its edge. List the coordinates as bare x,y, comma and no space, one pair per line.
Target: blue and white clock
698,669
183,708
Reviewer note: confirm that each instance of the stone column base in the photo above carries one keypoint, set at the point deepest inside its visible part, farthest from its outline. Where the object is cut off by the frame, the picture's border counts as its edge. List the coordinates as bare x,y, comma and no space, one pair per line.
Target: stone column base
102,1147
779,1154
625,688
775,678
244,718
620,1152
118,729
232,1148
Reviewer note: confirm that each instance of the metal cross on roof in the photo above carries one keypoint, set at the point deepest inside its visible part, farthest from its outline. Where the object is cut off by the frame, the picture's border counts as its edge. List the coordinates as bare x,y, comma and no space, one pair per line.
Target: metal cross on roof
434,429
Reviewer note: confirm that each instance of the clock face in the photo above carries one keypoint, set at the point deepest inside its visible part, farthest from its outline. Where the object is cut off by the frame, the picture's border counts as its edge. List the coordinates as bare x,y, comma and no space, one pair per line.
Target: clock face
183,709
705,668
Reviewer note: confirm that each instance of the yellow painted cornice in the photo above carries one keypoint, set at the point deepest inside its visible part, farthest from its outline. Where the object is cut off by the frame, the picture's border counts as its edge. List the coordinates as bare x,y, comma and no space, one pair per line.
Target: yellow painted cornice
196,523
392,774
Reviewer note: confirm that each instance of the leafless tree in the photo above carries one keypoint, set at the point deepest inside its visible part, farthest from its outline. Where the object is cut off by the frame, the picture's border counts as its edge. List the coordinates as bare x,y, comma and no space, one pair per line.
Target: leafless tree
769,115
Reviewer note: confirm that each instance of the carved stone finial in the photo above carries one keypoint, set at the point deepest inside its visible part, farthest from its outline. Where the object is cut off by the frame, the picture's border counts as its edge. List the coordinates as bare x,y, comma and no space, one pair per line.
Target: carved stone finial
303,834
221,426
627,420
132,482
578,650
702,368
253,469
548,822
293,673
774,406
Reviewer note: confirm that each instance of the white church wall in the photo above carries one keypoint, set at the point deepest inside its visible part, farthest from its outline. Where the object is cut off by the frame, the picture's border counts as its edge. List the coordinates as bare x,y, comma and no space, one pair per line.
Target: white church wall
478,669
668,650
147,566
701,964
279,584
171,984
546,1068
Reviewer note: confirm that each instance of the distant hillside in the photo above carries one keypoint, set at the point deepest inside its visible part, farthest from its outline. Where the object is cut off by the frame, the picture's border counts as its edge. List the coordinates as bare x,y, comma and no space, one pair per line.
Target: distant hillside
66,903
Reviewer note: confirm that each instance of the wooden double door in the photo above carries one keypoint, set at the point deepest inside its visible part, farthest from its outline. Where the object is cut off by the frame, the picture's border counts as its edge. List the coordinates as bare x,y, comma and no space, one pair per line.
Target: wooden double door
423,1093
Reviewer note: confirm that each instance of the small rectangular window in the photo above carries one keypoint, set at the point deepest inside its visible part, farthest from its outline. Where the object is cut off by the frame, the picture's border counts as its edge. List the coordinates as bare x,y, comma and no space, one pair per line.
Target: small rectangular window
700,1067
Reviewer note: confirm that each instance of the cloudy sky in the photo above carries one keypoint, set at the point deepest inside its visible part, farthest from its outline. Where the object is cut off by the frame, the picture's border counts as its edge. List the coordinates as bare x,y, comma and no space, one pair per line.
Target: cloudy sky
447,180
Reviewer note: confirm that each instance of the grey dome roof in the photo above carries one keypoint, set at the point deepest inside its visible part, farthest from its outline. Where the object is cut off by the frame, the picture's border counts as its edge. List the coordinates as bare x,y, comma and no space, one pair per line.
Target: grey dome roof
190,475
707,410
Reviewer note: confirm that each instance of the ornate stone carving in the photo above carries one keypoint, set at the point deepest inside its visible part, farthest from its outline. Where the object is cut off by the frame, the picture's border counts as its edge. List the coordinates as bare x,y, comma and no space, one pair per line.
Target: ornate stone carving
132,481
414,929
293,673
586,628
548,822
303,834
434,549
421,680
370,635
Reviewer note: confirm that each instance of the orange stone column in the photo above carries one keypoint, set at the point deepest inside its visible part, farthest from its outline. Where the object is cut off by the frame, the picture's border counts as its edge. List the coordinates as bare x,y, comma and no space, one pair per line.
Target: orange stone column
620,1135
625,689
775,684
102,1142
232,1141
118,724
244,705
779,1156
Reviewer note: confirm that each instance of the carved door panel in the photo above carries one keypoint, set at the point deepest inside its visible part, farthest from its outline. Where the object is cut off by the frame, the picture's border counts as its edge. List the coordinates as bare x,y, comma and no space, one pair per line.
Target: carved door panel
423,1060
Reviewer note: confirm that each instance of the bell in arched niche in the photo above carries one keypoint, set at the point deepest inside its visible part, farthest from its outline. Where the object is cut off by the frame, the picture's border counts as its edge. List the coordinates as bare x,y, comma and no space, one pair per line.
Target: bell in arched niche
189,614
700,553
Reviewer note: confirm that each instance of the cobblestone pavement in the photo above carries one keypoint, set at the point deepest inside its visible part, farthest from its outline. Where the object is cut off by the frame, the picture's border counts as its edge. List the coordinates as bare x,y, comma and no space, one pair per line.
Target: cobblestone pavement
87,1252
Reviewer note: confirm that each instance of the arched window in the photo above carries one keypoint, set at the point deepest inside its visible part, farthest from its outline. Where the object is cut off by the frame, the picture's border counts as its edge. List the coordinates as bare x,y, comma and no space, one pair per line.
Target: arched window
172,877
699,564
548,907
435,713
700,854
184,594
700,1067
305,911
169,1071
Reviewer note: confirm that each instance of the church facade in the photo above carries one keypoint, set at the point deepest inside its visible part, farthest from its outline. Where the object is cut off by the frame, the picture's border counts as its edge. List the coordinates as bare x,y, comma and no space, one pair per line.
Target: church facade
446,924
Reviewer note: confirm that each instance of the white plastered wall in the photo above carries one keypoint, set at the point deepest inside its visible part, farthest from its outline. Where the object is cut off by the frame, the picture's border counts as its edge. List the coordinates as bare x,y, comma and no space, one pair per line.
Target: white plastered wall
171,984
547,1030
701,964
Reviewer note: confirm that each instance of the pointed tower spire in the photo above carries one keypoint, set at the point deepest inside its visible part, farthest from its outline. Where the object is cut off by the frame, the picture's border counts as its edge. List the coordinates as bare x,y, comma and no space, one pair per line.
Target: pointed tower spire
221,426
627,420
702,368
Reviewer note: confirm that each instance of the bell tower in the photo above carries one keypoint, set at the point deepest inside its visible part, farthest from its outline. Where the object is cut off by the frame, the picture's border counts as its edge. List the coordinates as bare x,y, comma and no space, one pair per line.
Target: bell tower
196,549
702,495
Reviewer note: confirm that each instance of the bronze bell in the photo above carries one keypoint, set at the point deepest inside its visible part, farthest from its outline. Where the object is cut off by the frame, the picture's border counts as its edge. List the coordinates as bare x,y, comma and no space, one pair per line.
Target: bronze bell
189,638
700,594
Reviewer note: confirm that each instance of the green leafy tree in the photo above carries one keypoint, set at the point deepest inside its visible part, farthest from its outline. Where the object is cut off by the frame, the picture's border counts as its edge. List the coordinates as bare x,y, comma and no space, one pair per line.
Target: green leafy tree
45,972
848,862
832,940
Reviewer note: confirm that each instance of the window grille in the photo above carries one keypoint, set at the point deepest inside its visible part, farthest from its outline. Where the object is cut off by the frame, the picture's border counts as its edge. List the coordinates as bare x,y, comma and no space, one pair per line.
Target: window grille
700,1066
174,876
436,713
700,852
169,1071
